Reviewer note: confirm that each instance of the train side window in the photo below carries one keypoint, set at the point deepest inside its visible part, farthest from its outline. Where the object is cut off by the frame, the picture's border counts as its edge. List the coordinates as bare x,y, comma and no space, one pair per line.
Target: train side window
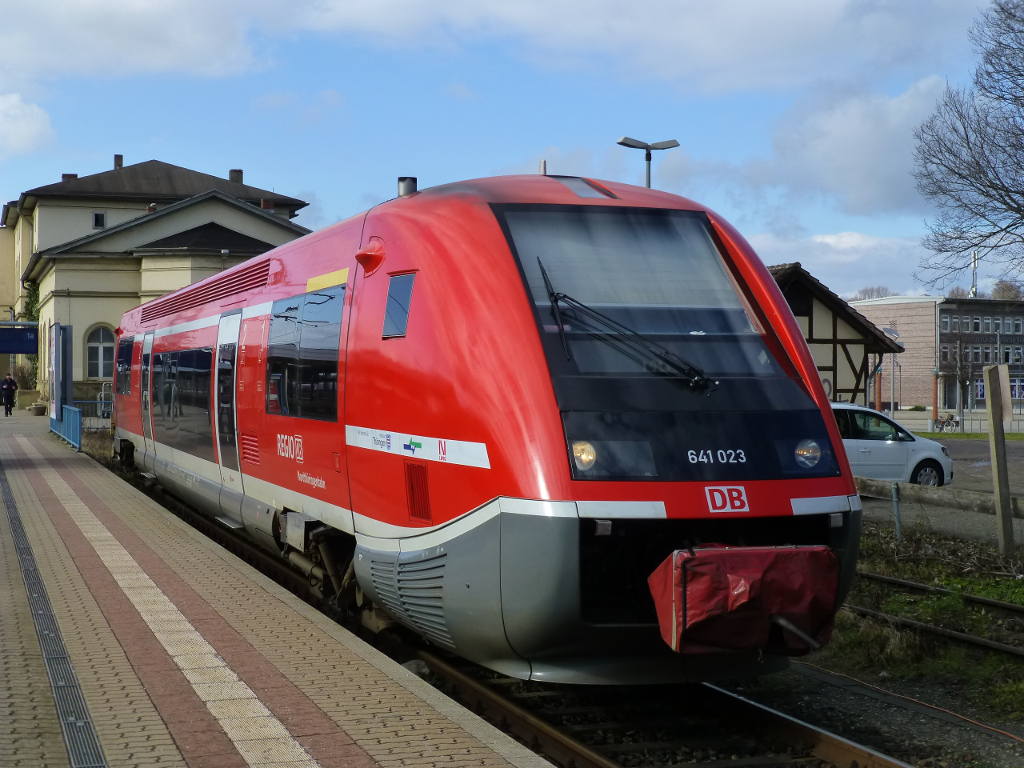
319,338
396,317
124,365
302,358
283,357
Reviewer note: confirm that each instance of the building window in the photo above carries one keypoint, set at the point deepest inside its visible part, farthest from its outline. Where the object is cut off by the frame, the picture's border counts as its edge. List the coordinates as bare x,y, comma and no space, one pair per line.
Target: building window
944,353
977,325
956,324
99,220
977,354
1016,354
100,353
1006,355
1016,325
988,325
988,355
945,323
997,324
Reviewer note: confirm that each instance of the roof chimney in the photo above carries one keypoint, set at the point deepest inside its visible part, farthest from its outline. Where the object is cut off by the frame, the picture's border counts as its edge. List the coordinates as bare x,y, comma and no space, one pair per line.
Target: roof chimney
118,162
266,205
235,175
68,176
406,185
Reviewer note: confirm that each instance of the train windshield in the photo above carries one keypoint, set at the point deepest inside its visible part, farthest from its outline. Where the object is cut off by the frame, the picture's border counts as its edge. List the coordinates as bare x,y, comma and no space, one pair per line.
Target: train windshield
658,273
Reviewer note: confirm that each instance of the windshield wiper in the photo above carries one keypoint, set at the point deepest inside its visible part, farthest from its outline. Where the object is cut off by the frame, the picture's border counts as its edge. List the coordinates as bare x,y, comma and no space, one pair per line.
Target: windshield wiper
553,297
657,359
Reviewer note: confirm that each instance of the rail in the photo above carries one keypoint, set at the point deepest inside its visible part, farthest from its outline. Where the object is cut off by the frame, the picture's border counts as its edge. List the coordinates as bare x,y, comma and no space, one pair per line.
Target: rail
69,427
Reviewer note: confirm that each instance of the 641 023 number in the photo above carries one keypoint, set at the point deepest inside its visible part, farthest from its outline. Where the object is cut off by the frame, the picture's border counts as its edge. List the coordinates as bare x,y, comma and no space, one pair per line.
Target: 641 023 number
720,456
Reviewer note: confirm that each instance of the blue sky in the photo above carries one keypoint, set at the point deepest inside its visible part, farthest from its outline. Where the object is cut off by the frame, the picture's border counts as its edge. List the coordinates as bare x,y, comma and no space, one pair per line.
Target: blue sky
795,117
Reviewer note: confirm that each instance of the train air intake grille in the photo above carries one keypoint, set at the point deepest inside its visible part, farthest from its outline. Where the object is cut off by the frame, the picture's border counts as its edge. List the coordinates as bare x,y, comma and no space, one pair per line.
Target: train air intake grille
413,591
250,446
239,281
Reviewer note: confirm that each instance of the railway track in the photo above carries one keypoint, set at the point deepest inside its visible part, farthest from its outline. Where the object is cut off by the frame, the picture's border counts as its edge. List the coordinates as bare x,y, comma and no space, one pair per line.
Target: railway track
697,726
700,726
1016,612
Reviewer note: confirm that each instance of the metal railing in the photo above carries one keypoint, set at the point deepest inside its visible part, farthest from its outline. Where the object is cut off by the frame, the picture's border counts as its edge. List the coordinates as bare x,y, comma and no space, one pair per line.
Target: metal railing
69,427
94,409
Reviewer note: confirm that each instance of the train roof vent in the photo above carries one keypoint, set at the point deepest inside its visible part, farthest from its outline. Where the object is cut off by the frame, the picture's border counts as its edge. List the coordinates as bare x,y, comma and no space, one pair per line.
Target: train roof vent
239,281
584,187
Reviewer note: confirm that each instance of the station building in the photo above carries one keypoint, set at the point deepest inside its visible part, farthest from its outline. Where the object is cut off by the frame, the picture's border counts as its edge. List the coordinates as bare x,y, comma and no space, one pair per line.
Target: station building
86,249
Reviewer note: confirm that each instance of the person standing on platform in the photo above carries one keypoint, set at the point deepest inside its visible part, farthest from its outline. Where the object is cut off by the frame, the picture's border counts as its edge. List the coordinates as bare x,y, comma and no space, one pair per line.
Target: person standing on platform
8,388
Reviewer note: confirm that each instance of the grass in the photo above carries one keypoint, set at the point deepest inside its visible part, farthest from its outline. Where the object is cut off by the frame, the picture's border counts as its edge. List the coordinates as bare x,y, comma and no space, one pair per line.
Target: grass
991,683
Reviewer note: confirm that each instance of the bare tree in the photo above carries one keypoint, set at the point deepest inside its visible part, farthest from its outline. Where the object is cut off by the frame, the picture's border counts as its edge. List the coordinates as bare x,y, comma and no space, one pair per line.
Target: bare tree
969,158
873,292
1004,290
957,292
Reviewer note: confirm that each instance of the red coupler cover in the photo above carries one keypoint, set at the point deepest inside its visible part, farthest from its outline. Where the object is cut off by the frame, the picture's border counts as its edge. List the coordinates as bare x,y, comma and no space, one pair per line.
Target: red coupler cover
724,598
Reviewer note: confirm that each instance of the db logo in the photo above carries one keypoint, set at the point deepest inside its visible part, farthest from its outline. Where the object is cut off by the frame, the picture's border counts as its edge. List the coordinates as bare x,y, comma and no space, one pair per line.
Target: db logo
727,498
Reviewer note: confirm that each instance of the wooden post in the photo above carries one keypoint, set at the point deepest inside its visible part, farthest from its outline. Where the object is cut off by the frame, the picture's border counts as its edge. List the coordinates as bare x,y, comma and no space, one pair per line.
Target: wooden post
996,394
935,399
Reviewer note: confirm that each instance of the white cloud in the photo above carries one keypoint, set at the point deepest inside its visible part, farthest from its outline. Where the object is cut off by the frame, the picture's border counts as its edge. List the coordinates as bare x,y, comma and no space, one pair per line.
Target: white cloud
23,126
856,149
849,261
729,44
123,38
726,45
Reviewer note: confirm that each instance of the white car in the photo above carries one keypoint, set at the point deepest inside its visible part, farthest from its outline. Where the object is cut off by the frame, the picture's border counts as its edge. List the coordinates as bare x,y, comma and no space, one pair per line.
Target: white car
880,448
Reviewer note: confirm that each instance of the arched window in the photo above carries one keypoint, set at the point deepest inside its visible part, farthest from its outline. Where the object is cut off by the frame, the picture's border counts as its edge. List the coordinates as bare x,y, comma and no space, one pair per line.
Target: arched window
100,350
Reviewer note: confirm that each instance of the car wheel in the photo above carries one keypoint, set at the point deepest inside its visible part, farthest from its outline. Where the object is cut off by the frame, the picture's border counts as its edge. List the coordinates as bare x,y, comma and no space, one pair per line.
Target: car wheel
927,473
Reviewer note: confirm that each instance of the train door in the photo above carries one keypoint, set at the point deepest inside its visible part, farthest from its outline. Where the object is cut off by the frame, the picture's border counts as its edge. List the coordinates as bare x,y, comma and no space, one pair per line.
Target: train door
227,435
148,458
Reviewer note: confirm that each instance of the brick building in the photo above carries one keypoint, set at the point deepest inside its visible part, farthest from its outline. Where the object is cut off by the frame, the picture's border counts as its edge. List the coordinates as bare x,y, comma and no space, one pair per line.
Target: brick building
949,341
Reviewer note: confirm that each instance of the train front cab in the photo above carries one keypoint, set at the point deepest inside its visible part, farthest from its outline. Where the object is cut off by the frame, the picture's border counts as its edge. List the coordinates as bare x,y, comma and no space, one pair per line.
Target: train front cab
666,384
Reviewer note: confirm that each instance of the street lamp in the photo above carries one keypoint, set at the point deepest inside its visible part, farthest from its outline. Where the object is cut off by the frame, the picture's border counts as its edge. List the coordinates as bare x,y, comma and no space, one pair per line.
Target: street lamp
634,144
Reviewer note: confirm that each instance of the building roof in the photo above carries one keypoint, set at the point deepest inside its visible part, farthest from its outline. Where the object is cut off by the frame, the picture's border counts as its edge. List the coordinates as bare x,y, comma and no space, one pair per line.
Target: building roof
211,236
898,300
154,181
789,274
72,245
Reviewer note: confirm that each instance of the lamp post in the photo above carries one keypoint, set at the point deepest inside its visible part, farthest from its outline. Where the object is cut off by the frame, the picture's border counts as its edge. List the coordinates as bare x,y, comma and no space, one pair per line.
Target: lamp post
635,144
892,333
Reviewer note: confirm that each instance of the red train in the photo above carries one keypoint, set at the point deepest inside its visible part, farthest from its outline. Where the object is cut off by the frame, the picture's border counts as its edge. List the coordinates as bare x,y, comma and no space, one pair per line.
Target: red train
495,410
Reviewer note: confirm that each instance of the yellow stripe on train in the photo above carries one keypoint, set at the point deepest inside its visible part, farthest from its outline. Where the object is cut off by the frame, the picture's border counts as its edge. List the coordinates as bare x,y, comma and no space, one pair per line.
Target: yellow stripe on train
339,277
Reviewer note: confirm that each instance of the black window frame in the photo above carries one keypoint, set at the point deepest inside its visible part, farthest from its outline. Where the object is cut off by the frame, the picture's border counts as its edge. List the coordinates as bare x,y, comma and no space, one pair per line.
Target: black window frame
99,220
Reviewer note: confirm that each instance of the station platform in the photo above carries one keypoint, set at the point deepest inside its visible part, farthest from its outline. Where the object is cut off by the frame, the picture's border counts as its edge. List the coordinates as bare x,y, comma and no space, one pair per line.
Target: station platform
129,639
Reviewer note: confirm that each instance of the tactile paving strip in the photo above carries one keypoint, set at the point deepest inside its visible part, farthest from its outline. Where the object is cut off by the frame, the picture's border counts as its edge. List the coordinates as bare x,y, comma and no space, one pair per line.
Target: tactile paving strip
83,746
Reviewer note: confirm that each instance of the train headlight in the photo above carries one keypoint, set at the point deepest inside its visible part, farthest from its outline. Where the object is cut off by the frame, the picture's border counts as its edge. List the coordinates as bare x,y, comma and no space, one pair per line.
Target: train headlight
584,454
807,454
